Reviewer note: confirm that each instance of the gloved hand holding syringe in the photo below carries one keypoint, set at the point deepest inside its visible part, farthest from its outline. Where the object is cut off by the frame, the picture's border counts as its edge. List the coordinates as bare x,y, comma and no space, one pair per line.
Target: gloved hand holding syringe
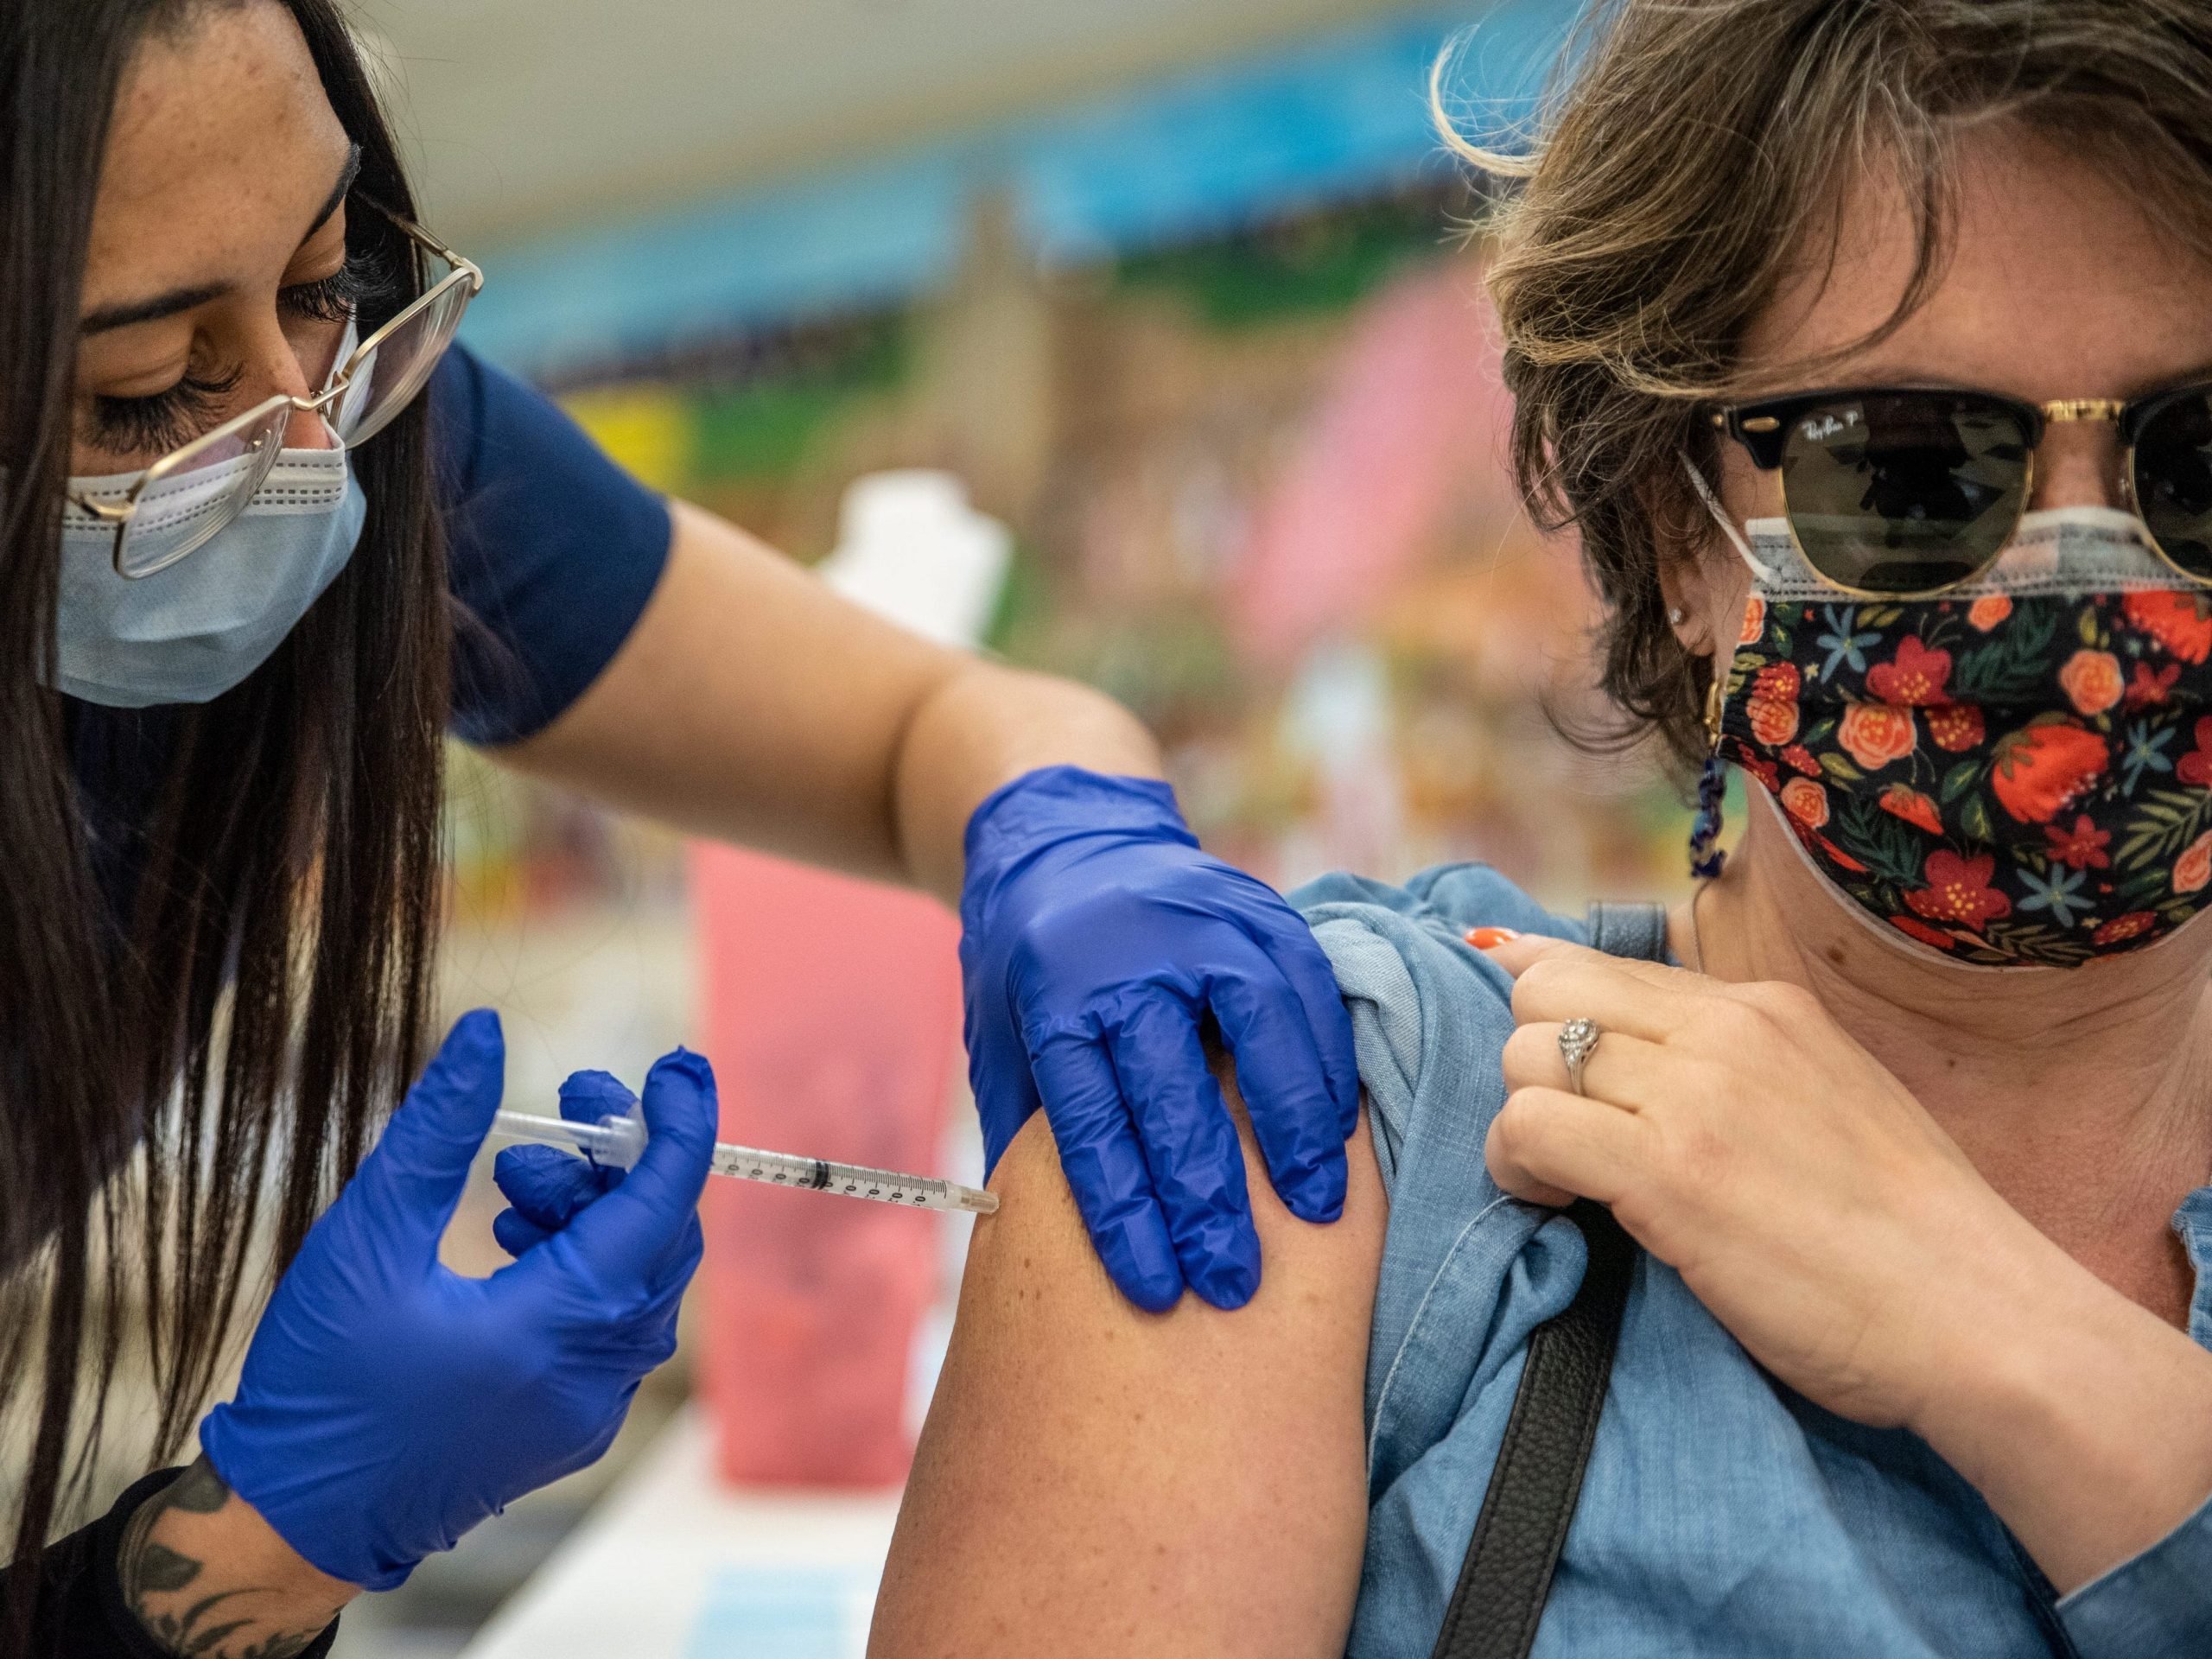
389,1403
617,1138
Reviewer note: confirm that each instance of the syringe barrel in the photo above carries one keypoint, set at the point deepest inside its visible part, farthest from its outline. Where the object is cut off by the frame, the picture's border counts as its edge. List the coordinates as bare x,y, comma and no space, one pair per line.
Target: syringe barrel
615,1140
623,1139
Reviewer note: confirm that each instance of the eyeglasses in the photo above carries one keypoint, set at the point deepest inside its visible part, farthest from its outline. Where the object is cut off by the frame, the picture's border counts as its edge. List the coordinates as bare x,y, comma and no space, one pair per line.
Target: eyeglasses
1900,492
213,478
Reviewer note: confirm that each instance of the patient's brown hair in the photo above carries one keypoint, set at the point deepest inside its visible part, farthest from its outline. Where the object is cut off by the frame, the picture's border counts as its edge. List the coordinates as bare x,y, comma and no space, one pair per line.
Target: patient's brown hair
1695,152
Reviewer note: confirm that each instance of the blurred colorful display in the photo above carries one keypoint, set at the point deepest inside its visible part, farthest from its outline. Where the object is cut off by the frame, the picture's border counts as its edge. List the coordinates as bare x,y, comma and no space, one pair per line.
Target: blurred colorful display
1259,490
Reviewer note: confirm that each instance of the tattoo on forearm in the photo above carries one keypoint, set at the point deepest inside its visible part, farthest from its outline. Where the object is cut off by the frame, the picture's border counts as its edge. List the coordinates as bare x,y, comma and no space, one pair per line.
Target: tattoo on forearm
159,1570
150,1568
195,1633
198,1490
203,1629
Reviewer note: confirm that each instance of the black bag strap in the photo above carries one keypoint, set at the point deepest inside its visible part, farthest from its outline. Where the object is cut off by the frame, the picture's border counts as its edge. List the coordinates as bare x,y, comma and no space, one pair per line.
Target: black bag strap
1507,1577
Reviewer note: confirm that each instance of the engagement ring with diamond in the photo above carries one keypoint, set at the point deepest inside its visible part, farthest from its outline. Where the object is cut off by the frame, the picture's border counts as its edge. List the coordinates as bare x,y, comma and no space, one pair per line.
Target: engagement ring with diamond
1578,1041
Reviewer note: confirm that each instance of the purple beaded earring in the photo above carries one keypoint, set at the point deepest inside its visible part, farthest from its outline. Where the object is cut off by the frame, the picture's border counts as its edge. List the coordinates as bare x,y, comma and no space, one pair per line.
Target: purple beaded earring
1706,856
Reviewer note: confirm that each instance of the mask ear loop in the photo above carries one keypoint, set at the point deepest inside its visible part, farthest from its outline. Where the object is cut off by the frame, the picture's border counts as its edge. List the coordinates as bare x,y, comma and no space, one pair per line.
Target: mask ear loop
1758,568
1706,858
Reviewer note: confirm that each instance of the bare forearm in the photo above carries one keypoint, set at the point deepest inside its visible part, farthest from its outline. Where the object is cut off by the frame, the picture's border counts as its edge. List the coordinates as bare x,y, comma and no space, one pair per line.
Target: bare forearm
2084,1420
751,704
983,727
208,1577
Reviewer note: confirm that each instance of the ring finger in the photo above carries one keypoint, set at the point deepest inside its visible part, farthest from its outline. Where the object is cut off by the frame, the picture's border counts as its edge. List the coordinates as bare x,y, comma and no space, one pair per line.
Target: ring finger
1621,1070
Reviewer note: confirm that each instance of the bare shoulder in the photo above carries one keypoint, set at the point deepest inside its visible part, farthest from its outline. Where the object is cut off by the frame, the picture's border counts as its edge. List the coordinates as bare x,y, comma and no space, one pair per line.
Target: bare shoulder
1111,1482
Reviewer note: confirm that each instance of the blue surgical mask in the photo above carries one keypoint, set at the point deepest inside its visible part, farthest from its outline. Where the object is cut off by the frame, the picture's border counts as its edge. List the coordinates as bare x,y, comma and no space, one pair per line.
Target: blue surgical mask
193,631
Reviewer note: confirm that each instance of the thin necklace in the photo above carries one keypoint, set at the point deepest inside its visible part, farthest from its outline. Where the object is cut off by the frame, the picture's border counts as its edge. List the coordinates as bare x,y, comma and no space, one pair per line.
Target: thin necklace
1697,939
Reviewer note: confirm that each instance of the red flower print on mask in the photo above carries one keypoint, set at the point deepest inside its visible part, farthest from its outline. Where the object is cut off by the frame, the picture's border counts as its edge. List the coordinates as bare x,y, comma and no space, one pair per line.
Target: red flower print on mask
1958,890
1754,621
1773,706
1913,927
2177,622
1914,678
1987,612
1873,734
1843,860
1798,758
2196,766
1805,801
2134,924
2194,867
2039,769
1778,681
1814,842
1956,726
1915,808
1773,723
1759,767
2148,690
2081,848
2091,681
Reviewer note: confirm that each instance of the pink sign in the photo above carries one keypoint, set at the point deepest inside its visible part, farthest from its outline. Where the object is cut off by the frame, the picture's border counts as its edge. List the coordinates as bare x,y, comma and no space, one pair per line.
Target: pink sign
831,1008
1413,417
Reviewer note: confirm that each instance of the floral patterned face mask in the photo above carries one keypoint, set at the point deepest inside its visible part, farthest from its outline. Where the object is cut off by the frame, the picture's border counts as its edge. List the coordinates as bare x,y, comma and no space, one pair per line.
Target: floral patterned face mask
2015,773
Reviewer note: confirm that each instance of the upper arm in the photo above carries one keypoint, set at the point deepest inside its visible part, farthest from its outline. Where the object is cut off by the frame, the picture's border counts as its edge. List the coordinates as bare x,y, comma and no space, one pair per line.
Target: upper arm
656,655
1097,1480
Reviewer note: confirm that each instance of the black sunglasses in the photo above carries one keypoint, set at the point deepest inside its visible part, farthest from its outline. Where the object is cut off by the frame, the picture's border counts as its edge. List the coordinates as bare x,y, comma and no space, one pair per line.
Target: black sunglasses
1895,491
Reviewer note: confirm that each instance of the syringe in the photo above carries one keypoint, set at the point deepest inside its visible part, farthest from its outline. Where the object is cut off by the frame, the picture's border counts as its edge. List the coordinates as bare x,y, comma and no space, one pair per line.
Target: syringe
618,1139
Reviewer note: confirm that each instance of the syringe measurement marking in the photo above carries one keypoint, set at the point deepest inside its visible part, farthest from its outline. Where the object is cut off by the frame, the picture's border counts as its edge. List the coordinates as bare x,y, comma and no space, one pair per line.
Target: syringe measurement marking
775,1168
821,1181
819,1175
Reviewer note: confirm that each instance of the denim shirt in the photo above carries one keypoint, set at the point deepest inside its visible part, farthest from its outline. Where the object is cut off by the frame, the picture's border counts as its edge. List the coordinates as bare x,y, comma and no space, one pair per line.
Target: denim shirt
1722,1514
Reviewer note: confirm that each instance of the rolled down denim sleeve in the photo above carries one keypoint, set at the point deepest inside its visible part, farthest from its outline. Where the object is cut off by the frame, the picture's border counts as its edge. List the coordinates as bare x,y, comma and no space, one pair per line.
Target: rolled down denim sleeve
1397,950
2154,1606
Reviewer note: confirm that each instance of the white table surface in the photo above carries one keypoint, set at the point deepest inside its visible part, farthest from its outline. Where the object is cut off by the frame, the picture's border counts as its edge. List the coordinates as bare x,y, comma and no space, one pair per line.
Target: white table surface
674,1565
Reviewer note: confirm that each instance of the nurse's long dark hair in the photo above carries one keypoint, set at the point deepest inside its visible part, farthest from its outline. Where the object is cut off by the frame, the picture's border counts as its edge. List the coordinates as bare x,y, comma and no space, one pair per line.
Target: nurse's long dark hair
208,998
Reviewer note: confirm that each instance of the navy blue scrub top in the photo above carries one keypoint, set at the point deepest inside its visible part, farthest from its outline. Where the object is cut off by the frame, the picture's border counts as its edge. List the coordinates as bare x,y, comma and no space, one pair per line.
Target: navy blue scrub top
552,552
551,546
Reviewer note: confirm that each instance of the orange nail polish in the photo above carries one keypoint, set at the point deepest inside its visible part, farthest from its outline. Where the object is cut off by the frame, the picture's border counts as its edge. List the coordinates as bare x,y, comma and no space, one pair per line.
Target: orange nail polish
1489,938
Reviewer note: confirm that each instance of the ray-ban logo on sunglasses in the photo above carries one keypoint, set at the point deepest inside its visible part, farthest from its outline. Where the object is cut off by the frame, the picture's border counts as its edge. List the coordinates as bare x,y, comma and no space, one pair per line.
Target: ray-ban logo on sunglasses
1824,427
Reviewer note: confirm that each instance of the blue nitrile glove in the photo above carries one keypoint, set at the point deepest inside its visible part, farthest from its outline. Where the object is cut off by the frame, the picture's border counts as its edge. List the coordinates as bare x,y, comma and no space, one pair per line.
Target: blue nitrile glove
388,1404
548,1188
1096,937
